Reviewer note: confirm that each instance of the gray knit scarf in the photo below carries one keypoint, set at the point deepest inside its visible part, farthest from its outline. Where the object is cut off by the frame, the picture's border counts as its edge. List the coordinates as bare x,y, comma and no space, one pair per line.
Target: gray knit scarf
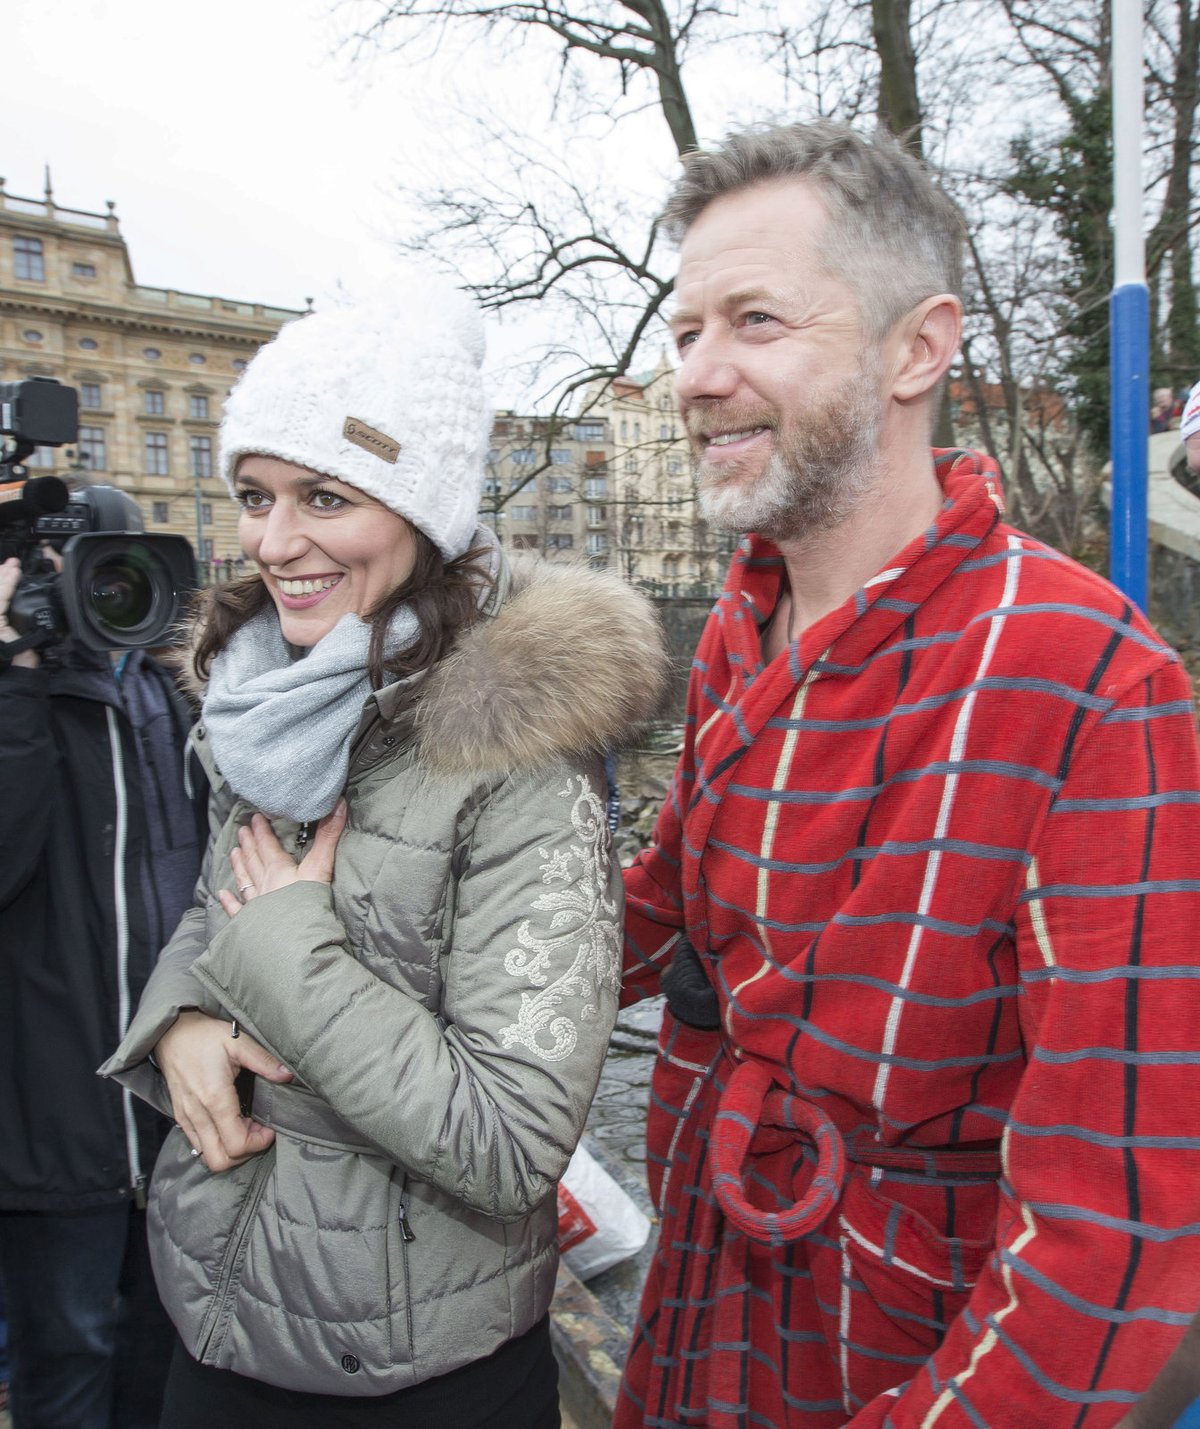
281,728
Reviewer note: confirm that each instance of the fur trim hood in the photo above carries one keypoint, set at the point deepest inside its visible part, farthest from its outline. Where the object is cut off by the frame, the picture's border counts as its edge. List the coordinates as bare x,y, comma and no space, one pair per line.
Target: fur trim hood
571,663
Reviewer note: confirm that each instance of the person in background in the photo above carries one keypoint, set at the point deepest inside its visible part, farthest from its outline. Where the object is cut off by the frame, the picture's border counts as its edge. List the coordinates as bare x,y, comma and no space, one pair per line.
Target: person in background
408,927
100,845
1162,410
923,1130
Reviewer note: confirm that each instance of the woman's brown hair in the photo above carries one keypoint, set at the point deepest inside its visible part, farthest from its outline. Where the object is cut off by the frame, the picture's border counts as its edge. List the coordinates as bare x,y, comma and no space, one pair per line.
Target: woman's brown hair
445,596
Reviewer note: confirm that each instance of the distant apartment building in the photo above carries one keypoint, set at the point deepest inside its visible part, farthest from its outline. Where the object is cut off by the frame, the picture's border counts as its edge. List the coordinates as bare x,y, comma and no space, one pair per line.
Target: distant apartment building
152,365
657,531
549,487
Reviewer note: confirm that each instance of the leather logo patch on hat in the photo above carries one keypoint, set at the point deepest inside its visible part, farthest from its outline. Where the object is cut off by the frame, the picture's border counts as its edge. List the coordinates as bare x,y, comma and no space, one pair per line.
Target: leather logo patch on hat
370,440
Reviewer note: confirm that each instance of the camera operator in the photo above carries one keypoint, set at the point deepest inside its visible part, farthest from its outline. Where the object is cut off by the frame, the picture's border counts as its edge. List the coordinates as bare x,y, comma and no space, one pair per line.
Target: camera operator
100,845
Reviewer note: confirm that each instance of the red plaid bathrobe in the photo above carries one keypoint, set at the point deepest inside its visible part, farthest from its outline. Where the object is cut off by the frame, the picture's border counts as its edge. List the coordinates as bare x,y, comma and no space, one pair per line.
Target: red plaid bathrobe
941,1163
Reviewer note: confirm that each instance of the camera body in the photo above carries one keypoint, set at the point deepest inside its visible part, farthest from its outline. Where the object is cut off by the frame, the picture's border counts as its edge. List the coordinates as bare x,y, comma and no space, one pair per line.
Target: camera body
118,587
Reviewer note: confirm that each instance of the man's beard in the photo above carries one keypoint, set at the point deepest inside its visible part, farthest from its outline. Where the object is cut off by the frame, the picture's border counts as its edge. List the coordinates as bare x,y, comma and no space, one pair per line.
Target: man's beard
822,466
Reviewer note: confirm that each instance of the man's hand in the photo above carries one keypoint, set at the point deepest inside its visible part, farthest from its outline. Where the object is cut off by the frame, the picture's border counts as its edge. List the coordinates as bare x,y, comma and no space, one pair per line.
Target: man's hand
200,1060
10,574
261,864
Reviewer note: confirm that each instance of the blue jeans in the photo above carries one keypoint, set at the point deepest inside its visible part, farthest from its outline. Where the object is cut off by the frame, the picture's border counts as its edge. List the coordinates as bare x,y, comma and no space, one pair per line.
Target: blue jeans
88,1340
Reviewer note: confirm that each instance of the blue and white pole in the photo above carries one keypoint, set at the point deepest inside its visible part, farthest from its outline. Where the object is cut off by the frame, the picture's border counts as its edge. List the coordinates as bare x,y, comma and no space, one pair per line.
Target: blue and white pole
1130,314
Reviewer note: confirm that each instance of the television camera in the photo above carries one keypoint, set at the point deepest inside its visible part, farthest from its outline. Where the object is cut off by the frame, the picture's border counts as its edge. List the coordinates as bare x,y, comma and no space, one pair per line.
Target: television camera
118,588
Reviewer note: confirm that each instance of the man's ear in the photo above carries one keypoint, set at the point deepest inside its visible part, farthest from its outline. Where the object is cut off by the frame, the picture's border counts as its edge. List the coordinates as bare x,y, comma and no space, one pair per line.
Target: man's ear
928,342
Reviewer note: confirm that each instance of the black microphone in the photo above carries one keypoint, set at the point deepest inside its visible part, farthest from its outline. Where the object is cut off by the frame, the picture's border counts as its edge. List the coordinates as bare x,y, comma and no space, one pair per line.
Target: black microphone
25,501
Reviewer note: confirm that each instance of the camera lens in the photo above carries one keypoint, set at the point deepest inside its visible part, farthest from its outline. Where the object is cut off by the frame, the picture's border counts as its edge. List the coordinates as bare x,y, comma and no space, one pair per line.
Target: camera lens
122,595
125,590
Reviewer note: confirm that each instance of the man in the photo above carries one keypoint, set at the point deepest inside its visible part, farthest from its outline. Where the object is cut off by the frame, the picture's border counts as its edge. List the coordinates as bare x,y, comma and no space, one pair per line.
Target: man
99,850
923,1129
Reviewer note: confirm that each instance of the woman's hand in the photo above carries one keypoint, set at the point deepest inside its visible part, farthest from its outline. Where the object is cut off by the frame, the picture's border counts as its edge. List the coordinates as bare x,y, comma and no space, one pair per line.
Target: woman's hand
200,1059
261,864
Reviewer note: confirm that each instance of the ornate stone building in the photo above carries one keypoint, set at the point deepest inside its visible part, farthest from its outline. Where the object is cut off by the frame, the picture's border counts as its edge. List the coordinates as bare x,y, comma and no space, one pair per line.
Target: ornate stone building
152,366
658,535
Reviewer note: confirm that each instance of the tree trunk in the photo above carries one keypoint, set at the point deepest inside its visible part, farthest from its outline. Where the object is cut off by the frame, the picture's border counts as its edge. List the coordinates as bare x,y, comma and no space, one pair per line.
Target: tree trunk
899,101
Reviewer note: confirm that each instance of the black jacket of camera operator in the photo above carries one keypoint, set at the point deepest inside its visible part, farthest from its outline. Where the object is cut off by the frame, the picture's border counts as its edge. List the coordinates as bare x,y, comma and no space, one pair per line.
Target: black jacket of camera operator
100,844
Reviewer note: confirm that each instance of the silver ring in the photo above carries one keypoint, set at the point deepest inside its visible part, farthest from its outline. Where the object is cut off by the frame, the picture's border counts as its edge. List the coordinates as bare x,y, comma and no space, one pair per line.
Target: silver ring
195,1152
242,887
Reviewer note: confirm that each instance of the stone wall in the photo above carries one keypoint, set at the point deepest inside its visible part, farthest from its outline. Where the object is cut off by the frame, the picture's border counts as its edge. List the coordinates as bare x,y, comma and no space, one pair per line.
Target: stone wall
683,619
1175,596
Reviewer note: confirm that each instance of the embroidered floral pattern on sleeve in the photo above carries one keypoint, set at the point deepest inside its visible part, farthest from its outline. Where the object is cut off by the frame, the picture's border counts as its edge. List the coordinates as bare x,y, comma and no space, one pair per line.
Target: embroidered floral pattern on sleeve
582,912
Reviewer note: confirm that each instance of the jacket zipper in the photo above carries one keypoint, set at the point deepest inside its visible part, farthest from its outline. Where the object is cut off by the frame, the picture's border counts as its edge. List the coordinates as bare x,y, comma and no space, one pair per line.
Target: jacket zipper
233,1255
303,835
407,1236
133,1152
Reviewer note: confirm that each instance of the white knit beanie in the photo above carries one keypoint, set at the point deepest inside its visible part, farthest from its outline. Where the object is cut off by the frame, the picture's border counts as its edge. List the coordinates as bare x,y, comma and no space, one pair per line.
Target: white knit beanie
385,395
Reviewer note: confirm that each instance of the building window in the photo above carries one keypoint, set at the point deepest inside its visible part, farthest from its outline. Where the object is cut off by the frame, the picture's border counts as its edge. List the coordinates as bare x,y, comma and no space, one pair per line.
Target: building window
155,403
524,456
674,466
83,270
89,344
624,429
596,488
238,364
492,486
524,541
560,541
493,457
198,407
31,334
151,354
41,459
160,512
597,515
631,463
589,432
91,447
89,394
157,463
560,483
560,456
197,359
206,513
202,465
664,432
597,543
559,513
527,484
523,513
29,260
208,548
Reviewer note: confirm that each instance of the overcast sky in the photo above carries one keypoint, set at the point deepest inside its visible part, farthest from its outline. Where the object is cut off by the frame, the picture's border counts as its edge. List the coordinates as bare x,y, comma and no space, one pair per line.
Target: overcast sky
247,154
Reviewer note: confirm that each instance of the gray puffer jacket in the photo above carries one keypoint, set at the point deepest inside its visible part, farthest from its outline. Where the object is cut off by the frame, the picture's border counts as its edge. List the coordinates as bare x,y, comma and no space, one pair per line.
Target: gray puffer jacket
445,1008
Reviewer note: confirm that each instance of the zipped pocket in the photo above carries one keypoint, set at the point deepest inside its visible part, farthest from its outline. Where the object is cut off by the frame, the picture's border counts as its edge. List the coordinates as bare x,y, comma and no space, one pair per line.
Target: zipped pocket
406,1236
208,1344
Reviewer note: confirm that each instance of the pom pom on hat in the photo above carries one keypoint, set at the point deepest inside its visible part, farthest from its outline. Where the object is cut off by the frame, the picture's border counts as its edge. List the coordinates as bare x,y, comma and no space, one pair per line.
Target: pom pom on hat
1189,421
384,394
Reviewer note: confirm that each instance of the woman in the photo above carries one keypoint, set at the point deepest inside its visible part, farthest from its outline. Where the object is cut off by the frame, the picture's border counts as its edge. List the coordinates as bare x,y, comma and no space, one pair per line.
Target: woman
380,1026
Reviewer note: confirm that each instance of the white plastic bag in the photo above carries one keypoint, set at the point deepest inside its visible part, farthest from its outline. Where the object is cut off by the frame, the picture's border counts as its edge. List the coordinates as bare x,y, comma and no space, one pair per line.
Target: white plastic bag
599,1223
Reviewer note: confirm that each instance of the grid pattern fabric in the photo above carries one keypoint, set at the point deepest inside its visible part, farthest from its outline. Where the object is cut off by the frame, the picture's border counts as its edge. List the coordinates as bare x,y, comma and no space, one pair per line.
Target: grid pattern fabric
941,1163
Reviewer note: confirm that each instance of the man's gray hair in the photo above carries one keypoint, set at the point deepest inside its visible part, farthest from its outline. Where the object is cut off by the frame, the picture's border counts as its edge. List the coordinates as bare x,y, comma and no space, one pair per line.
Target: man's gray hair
892,233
